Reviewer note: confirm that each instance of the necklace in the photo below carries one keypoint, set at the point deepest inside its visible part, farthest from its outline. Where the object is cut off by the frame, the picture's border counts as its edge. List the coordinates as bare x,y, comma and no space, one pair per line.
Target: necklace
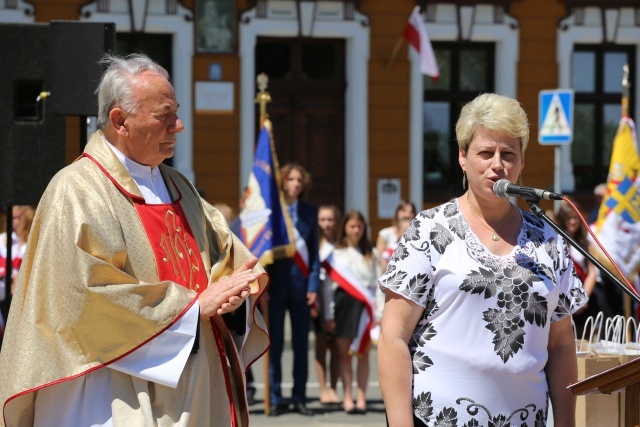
494,233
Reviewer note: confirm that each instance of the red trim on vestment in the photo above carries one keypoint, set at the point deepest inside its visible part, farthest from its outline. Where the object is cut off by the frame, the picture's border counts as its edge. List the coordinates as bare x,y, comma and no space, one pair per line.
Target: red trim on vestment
116,183
225,372
253,314
88,371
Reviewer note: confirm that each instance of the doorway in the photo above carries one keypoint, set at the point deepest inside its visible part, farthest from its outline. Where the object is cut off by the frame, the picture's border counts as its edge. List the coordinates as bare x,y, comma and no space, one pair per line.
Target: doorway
307,86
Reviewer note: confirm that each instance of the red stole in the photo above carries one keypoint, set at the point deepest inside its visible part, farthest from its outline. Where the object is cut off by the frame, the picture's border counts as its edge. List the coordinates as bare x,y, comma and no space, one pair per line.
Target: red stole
178,260
177,254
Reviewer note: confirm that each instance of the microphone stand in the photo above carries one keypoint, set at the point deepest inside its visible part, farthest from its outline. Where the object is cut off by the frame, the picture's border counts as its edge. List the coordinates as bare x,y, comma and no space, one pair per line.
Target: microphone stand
539,212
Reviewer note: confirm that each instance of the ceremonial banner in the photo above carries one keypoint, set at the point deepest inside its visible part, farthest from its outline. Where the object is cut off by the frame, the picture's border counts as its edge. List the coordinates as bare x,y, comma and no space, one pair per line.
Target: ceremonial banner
618,223
266,227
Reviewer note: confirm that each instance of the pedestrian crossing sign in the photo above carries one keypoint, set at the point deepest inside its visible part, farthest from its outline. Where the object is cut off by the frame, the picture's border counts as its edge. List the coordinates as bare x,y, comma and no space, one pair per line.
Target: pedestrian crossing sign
555,117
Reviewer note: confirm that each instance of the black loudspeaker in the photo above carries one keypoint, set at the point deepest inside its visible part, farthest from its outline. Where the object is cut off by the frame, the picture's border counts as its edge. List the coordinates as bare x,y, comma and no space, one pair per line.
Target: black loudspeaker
76,48
32,138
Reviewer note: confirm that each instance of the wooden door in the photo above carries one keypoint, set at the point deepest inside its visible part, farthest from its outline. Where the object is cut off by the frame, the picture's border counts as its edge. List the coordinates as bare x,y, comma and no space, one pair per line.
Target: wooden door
307,86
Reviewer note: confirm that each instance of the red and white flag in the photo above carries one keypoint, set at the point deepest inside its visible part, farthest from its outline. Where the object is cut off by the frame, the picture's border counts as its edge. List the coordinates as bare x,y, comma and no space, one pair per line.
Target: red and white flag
344,277
416,35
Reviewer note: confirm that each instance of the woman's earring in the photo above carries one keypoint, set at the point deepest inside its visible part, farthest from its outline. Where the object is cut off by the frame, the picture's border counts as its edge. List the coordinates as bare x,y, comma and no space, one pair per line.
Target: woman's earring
520,179
464,180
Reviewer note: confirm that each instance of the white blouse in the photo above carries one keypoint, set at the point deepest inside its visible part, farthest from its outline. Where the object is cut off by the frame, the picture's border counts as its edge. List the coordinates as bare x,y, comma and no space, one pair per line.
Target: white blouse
480,349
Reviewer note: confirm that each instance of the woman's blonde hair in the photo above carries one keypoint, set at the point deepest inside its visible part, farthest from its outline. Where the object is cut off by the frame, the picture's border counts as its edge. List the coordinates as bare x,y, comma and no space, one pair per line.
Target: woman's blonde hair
494,112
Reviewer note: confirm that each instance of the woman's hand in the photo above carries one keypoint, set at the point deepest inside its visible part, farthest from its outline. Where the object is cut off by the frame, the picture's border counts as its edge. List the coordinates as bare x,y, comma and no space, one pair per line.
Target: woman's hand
228,293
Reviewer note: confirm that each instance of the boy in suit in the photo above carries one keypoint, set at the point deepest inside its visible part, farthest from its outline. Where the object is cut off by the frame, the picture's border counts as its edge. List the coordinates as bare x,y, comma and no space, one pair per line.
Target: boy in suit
294,286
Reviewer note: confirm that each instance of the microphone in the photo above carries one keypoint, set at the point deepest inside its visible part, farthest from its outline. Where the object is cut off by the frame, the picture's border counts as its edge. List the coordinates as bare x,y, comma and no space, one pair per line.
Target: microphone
504,188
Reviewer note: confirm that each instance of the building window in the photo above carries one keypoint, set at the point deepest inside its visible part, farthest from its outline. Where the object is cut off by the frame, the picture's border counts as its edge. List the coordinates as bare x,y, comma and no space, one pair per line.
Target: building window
466,70
596,78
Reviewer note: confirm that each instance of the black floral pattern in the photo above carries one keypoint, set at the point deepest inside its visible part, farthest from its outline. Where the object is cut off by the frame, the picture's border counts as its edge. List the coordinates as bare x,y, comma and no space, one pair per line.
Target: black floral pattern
424,332
515,304
500,420
394,281
448,416
440,238
423,406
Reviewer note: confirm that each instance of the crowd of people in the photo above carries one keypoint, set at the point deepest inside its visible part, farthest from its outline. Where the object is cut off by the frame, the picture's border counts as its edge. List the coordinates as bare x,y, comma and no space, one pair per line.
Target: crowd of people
471,301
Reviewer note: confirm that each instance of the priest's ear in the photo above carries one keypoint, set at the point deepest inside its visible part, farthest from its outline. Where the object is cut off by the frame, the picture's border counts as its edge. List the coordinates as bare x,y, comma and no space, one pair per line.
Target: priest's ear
118,120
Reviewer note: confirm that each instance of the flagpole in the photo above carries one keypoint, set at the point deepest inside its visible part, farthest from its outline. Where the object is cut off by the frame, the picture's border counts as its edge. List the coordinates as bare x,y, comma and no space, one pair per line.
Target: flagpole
263,98
625,90
624,104
395,50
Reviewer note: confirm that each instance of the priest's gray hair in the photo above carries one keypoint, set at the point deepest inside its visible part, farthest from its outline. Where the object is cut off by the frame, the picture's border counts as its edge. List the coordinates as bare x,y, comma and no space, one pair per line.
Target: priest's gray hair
115,88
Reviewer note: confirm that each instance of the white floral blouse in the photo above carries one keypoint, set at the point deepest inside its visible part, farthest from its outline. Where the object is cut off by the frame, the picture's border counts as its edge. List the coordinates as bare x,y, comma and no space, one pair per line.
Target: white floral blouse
480,348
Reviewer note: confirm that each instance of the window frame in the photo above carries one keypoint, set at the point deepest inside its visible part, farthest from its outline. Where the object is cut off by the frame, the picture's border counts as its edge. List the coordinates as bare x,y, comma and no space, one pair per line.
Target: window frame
456,98
599,99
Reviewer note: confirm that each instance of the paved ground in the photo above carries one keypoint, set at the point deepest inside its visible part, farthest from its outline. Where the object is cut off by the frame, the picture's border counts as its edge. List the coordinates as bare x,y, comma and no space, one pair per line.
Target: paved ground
334,417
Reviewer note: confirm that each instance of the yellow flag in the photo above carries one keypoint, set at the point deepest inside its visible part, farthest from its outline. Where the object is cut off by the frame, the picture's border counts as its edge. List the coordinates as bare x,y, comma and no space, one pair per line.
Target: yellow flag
618,223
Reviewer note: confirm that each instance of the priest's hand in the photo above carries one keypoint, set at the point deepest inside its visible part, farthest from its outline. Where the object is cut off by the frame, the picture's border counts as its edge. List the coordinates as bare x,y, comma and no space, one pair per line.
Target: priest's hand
228,293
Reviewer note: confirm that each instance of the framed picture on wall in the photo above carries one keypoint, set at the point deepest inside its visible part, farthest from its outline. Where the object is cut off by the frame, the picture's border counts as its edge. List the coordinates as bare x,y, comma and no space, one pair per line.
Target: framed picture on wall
215,26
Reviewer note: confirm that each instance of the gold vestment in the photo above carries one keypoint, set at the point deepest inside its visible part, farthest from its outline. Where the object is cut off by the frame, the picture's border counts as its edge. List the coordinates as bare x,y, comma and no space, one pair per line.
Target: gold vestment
88,293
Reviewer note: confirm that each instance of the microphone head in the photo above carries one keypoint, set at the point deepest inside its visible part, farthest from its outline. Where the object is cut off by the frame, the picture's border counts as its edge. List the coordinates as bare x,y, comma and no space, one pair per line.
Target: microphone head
500,188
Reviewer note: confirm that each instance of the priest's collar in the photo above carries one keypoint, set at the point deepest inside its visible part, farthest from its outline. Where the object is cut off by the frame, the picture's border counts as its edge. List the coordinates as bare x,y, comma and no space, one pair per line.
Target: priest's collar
148,179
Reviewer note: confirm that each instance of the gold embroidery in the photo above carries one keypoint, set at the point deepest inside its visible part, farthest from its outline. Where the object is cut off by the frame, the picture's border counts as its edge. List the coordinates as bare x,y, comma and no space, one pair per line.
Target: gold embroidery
175,246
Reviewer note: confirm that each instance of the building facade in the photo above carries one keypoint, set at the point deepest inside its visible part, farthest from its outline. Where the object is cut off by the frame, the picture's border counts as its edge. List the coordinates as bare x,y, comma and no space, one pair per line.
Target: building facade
348,100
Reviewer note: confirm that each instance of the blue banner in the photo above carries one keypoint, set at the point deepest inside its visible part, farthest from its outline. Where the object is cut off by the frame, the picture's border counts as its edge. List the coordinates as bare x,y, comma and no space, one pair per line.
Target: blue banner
266,228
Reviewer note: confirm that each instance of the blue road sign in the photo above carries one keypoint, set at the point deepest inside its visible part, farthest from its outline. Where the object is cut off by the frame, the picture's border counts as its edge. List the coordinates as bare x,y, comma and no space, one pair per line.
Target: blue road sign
555,117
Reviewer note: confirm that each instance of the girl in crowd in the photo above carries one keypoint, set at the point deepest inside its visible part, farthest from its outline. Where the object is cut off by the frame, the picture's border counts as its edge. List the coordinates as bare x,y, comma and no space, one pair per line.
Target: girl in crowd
349,303
328,220
389,236
402,224
569,221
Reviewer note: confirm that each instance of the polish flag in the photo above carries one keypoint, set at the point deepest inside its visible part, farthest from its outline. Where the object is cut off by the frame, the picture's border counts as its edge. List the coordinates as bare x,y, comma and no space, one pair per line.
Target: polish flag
416,35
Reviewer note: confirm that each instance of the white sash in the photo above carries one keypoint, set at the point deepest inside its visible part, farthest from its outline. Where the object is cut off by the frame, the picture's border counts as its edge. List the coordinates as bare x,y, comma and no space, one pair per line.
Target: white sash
301,257
349,282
